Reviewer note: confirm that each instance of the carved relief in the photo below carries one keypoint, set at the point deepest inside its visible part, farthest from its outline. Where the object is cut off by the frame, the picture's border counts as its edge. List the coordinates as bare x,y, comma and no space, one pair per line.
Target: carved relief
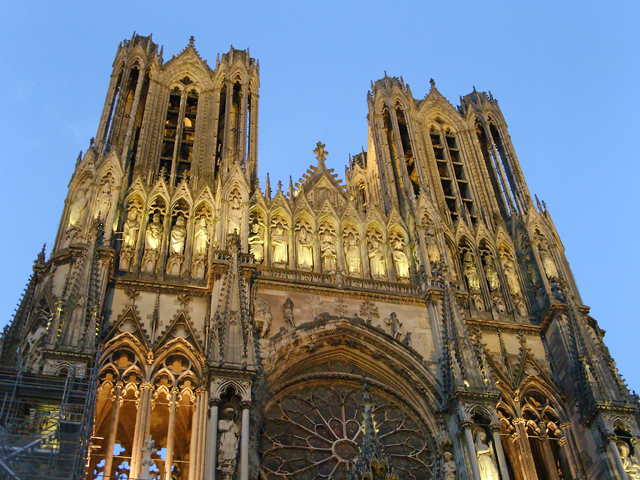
262,317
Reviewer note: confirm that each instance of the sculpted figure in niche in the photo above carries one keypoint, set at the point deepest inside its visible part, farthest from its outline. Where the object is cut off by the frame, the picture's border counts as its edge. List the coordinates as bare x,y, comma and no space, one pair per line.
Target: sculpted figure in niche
491,274
201,238
448,467
547,262
78,207
130,230
235,216
103,202
153,236
305,250
352,256
229,433
395,325
531,268
328,252
288,313
376,259
400,261
486,461
178,236
471,271
279,246
630,465
432,244
511,276
256,243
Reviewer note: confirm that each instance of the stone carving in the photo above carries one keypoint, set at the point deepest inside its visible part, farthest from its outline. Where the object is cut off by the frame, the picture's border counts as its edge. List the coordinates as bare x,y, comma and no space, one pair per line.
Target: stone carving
78,207
129,239
369,311
178,237
547,262
511,276
200,249
376,259
533,271
256,242
629,463
477,301
235,216
262,317
201,238
228,446
279,246
328,252
147,462
406,341
152,241
471,271
433,251
395,325
486,461
449,471
103,202
288,313
400,261
305,250
491,274
352,256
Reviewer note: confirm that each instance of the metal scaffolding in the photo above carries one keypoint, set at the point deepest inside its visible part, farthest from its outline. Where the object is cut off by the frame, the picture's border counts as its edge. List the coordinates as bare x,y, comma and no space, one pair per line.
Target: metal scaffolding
45,424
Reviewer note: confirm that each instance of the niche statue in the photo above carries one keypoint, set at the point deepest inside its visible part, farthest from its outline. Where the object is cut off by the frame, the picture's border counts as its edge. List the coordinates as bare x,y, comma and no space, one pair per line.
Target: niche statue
486,461
228,446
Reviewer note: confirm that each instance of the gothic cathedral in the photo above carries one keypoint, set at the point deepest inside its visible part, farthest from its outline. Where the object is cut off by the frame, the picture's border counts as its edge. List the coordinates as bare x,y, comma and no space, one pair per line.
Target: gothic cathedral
417,320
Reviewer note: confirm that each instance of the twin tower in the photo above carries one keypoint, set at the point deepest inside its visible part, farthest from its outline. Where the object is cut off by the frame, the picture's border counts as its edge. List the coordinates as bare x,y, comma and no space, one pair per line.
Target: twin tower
233,325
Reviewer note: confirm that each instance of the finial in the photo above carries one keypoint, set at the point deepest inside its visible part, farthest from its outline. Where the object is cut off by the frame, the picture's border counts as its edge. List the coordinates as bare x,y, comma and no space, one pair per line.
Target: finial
321,155
191,41
432,82
290,187
267,188
79,159
41,255
280,186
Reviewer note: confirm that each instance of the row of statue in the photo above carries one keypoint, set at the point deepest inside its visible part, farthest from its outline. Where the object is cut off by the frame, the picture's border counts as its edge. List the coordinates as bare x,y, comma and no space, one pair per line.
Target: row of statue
153,238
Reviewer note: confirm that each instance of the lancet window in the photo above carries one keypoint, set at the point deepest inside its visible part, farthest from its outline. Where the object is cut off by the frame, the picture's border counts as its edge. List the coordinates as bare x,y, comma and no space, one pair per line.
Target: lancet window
179,132
453,177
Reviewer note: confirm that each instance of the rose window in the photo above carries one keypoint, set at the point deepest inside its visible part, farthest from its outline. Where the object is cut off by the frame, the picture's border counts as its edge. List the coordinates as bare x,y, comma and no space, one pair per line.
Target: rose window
315,431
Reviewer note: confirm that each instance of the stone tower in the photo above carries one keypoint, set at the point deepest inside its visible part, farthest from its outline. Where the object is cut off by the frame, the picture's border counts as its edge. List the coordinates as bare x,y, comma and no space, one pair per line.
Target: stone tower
234,326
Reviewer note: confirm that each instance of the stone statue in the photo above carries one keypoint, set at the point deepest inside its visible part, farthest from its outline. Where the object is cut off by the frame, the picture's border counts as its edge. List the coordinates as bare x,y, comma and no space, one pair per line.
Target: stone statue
352,256
395,325
130,230
262,317
400,261
491,274
486,461
256,243
449,467
406,341
178,236
153,236
629,463
533,271
279,246
103,202
376,260
235,216
328,253
288,313
512,277
471,271
78,207
305,250
433,251
547,262
201,238
228,446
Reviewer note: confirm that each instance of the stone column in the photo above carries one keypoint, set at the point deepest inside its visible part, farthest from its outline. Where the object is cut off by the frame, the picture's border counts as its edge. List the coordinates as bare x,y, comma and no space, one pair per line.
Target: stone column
171,433
616,456
142,419
527,465
212,441
202,434
133,114
549,459
195,430
471,450
244,441
502,461
113,429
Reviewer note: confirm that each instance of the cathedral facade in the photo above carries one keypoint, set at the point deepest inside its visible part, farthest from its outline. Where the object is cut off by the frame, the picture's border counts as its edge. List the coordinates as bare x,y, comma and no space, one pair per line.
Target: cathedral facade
416,320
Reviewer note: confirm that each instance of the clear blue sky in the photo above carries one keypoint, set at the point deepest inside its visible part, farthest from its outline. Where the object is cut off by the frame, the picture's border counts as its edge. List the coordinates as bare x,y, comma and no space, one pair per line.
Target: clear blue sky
566,75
